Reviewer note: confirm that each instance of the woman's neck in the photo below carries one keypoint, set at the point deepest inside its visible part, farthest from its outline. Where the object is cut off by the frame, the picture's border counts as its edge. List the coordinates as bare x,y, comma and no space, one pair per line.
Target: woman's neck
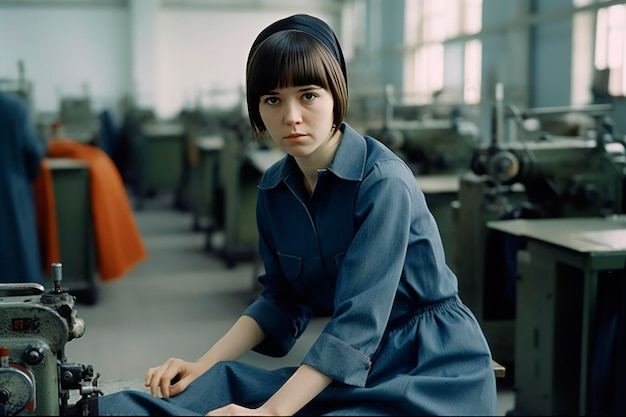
320,159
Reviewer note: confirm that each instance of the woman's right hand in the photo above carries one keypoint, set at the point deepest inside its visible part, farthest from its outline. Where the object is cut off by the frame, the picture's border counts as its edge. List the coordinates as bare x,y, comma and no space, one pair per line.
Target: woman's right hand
172,377
175,375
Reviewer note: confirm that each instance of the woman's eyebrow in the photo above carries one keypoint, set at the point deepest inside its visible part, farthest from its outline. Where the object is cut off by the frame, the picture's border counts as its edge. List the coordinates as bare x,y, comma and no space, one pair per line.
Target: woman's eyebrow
310,87
304,88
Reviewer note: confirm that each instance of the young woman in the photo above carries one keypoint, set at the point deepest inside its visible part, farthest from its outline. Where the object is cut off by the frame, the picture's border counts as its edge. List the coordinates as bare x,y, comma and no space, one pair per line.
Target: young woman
345,232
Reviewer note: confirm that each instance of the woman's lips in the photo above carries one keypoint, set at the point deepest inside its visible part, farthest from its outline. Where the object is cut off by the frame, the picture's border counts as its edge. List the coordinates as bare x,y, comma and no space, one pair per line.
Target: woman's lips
295,136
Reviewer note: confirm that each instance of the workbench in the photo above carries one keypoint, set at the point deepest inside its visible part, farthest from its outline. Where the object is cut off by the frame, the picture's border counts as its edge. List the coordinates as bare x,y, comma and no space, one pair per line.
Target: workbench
478,262
559,265
160,150
240,229
204,180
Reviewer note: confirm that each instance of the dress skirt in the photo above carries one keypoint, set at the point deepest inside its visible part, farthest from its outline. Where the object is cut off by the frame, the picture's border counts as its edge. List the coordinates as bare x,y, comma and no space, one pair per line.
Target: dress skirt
434,361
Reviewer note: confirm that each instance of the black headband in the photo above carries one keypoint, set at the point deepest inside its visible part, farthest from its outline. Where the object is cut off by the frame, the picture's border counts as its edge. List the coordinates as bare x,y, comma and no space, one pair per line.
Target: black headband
310,25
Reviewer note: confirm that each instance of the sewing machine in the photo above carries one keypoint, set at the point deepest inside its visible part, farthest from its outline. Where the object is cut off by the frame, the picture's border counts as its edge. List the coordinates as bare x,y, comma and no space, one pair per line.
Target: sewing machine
431,139
35,377
549,177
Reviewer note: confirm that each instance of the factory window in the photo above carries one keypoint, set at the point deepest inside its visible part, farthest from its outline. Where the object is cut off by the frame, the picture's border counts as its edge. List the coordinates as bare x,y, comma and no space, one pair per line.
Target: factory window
429,25
610,51
472,73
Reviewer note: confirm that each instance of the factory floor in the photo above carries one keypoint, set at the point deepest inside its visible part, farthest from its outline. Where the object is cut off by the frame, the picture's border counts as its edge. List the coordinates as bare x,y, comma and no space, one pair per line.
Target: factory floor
177,302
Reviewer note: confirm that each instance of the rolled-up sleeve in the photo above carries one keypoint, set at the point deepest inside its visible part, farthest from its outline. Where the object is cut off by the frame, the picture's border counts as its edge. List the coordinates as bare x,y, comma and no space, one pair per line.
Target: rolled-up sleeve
334,358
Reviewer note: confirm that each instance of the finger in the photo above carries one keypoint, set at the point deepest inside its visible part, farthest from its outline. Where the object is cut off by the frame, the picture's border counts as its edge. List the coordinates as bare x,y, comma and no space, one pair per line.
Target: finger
168,378
159,374
155,381
154,386
149,376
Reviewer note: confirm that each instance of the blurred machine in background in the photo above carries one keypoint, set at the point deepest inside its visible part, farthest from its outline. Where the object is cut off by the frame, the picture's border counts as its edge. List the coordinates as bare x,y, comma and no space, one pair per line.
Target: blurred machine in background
225,165
432,138
77,119
159,159
19,86
537,175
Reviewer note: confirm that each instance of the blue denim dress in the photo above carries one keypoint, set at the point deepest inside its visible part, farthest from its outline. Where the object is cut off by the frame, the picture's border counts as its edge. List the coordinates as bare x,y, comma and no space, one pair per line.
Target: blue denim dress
364,250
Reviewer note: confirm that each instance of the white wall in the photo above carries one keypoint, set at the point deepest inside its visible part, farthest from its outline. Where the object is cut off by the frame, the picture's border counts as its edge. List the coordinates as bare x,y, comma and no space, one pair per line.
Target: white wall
68,46
204,50
65,50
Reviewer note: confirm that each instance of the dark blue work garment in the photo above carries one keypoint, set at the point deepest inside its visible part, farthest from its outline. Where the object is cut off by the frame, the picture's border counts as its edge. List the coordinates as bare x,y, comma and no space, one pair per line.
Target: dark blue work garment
21,152
364,250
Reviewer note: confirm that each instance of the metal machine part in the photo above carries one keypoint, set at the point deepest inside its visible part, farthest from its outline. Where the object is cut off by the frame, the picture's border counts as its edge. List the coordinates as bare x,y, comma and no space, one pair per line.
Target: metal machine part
528,175
17,390
562,177
35,376
429,147
432,139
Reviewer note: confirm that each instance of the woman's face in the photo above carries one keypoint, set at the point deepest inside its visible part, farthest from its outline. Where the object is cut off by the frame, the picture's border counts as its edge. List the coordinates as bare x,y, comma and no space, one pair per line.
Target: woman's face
299,119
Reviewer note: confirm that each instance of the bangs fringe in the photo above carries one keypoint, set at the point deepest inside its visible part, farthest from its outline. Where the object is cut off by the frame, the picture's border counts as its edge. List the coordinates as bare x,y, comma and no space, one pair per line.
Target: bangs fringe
292,65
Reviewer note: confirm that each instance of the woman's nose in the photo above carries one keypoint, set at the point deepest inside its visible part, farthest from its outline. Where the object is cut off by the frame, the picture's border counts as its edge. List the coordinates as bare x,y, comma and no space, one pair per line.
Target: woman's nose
293,114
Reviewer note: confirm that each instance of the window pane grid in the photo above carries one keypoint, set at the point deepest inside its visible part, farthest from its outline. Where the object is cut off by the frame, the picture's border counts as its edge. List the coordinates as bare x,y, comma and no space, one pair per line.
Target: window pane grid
429,23
472,80
611,46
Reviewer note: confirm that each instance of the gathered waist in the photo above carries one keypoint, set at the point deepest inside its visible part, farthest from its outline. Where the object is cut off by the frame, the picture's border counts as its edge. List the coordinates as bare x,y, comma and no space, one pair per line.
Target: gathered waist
425,310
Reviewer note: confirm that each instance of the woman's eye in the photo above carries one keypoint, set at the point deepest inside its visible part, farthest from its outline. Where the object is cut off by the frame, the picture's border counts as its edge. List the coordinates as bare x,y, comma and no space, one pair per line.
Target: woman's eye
309,96
271,100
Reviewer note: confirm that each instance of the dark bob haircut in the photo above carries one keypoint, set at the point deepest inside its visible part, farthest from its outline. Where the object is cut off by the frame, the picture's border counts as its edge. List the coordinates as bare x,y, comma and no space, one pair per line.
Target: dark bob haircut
293,58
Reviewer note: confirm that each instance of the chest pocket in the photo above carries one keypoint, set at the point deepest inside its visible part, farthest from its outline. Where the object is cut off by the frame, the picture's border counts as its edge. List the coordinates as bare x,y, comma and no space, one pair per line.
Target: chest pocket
291,265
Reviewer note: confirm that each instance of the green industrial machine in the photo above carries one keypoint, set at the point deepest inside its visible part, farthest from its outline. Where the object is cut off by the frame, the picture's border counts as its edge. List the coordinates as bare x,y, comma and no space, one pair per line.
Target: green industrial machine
79,121
77,245
431,138
430,146
204,167
35,377
242,166
160,156
549,177
226,169
237,228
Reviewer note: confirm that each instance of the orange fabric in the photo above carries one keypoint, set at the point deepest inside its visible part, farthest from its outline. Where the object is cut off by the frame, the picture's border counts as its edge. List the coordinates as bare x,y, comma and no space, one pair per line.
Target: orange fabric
119,246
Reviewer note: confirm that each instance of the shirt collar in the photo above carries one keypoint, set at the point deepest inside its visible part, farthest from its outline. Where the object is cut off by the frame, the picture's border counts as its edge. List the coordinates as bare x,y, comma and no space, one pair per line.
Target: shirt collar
348,163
